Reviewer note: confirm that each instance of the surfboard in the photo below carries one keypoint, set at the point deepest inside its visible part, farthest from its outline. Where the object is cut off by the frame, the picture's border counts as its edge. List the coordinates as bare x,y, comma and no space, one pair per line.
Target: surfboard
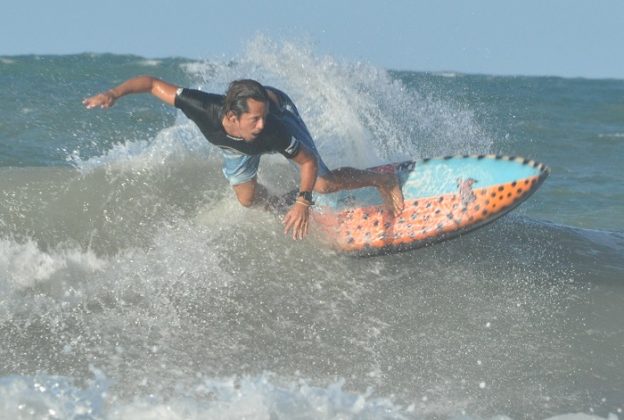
444,198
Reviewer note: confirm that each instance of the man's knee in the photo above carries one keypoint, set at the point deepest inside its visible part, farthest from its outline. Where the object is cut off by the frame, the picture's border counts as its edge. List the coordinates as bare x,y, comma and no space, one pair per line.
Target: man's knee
245,193
245,201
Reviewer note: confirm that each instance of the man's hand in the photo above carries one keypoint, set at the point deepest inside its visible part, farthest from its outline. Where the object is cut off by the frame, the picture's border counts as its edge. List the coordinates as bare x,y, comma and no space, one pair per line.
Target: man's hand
102,100
297,220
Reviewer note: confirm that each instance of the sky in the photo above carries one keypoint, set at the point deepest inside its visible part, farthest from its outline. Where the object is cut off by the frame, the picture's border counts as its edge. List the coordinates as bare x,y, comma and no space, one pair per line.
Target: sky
568,38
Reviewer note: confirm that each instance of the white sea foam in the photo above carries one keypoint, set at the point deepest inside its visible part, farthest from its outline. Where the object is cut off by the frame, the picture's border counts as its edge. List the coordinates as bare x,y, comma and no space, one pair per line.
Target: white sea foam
176,143
51,397
447,74
150,63
24,265
249,397
611,135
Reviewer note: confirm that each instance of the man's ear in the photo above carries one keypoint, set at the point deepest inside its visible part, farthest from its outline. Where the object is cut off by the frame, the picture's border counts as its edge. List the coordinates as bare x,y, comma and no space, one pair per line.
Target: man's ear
231,116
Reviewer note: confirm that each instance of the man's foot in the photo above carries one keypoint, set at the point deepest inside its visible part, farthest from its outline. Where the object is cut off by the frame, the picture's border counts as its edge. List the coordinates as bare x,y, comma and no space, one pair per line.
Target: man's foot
391,193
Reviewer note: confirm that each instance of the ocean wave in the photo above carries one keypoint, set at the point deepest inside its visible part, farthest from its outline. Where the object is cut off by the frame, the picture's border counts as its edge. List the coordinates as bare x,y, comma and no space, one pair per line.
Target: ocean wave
177,143
24,264
150,63
250,397
139,257
611,135
592,250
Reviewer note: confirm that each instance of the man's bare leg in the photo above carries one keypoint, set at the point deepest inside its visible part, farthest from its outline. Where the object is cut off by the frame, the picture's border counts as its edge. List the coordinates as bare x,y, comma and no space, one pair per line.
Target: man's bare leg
351,178
246,192
252,194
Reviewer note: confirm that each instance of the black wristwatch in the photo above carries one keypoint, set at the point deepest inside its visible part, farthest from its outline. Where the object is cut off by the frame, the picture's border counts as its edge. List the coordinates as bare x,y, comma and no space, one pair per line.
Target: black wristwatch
306,195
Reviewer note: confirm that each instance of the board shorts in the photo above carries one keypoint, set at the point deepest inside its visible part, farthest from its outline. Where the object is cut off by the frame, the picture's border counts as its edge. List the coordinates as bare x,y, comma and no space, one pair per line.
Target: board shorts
239,168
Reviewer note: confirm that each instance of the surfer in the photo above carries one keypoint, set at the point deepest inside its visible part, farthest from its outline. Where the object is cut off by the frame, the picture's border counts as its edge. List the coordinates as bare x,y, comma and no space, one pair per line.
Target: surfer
251,120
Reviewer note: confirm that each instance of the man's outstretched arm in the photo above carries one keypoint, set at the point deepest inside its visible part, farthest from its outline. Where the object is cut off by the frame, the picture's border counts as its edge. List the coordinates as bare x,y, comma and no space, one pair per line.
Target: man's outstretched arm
164,91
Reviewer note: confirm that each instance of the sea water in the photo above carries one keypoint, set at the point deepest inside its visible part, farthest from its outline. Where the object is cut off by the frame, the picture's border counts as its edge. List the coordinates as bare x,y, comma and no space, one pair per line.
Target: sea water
132,284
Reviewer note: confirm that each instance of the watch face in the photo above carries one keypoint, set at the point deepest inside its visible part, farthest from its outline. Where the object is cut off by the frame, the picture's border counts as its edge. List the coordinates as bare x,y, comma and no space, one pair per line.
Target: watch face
307,195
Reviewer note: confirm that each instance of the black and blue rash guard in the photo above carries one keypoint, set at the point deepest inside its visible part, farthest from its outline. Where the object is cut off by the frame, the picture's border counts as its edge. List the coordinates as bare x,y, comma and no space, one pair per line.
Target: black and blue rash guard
206,110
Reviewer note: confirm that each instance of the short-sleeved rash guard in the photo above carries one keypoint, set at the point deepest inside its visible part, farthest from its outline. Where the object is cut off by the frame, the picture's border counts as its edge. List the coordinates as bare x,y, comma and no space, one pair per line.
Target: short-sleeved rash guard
205,110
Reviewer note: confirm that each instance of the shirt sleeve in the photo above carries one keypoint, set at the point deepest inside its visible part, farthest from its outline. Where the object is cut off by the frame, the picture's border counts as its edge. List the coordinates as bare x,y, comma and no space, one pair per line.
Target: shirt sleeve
291,150
196,104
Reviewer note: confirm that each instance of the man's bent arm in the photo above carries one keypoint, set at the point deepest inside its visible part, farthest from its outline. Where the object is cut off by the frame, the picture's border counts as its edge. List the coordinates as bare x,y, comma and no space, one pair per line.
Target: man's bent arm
164,91
308,169
297,217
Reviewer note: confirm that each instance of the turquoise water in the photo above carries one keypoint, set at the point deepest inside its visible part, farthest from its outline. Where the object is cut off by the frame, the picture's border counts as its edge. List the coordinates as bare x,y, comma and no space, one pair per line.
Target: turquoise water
126,264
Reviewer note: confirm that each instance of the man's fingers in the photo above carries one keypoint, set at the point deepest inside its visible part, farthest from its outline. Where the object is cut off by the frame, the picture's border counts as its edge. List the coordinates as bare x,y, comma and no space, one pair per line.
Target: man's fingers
299,227
288,222
101,100
296,233
303,229
91,103
297,220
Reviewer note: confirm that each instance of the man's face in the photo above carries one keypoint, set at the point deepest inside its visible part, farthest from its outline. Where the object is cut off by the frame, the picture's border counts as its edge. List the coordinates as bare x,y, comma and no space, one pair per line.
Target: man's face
251,123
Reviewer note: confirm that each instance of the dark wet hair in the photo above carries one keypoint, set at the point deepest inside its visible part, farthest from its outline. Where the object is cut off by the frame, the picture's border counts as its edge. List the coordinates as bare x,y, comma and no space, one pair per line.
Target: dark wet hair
239,91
